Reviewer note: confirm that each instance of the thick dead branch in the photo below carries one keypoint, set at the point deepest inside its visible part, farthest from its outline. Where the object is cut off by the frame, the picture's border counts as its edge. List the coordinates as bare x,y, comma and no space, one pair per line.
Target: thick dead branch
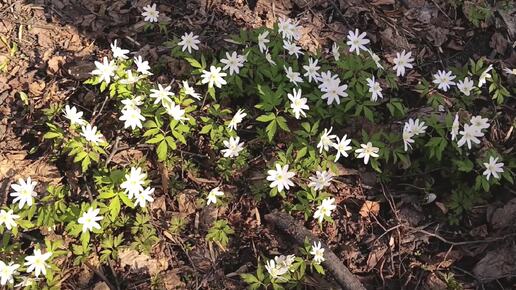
287,224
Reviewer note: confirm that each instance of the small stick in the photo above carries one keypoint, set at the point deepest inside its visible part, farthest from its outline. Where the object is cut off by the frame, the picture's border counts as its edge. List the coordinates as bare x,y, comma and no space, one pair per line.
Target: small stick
287,224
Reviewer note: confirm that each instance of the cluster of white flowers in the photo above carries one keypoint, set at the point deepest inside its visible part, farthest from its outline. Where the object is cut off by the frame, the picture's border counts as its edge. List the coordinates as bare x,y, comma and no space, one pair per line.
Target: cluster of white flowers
445,79
331,87
366,151
24,193
37,263
131,113
410,129
134,187
233,145
289,29
279,266
89,132
282,264
471,132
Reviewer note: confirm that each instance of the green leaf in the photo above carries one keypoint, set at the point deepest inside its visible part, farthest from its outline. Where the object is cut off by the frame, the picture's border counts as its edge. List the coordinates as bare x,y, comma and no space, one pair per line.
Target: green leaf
162,150
368,114
158,138
211,91
85,163
125,199
206,129
464,165
271,130
80,156
266,118
85,239
179,137
103,86
249,278
171,143
151,132
193,62
52,135
114,208
301,153
107,194
282,123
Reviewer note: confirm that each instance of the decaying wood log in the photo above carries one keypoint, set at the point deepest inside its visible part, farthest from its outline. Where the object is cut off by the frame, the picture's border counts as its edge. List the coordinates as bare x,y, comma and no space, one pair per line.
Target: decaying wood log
287,224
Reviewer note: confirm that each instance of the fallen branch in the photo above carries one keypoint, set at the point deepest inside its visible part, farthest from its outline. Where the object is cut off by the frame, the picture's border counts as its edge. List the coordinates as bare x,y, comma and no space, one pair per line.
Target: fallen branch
287,224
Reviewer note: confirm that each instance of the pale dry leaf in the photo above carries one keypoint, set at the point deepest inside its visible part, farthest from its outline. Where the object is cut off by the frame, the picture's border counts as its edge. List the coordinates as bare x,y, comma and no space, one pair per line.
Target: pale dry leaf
36,88
101,286
375,256
54,64
172,280
137,261
369,208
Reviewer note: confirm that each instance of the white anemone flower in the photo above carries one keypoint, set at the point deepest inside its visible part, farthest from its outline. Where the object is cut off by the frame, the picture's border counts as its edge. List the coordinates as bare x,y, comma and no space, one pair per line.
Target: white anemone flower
280,178
37,262
189,41
24,192
150,13
324,209
89,220
367,151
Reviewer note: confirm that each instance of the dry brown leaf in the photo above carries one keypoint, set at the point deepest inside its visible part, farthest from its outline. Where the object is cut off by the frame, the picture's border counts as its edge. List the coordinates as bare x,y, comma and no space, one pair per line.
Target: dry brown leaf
200,180
383,2
137,261
172,280
504,217
14,166
433,282
496,264
442,207
186,204
375,256
54,63
369,207
101,286
36,88
499,43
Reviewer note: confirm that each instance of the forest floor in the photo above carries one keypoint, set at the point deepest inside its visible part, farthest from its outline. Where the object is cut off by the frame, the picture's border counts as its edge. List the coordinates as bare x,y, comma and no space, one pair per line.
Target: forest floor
388,240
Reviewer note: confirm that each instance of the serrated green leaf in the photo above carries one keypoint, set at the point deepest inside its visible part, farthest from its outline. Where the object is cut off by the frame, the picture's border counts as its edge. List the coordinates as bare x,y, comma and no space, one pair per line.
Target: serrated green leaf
161,151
